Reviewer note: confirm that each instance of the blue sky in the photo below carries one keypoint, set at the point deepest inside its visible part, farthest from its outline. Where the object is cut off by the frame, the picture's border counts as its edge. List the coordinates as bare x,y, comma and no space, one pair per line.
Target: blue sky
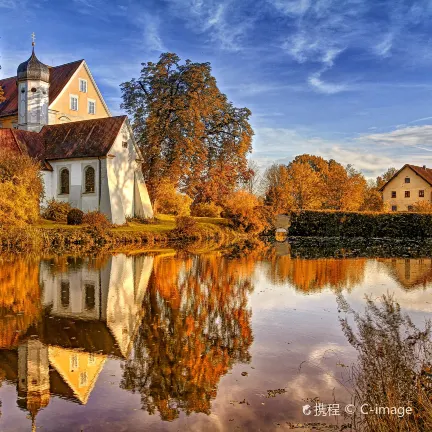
344,79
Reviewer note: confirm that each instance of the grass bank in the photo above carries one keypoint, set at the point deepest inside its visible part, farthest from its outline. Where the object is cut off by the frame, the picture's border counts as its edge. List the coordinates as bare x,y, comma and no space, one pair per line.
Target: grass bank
48,235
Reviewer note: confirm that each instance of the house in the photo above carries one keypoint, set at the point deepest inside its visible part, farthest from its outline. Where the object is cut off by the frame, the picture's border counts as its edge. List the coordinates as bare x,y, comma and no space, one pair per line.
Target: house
88,158
407,187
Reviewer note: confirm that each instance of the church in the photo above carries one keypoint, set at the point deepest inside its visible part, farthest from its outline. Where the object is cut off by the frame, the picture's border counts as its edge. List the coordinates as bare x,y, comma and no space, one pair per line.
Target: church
88,158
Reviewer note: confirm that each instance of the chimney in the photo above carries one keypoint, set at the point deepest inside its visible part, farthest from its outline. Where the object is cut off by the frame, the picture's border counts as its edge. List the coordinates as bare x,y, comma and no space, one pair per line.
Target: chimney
424,166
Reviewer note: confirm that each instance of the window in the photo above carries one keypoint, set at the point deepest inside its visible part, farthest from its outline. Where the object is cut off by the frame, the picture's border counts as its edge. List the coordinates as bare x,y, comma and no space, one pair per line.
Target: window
83,85
83,379
407,194
90,296
394,208
64,293
89,180
64,181
393,194
74,103
124,144
91,106
407,180
410,208
421,193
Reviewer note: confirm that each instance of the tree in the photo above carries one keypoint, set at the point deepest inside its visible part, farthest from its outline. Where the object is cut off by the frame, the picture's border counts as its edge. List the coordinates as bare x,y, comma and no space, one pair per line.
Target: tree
305,186
188,130
20,189
373,200
382,180
277,193
196,326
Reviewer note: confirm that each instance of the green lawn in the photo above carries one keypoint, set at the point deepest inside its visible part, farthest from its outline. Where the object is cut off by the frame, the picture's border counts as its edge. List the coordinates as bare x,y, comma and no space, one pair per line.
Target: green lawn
163,223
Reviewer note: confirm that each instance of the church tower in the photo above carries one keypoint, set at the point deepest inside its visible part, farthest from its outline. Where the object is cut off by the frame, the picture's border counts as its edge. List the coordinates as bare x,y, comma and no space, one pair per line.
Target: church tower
33,88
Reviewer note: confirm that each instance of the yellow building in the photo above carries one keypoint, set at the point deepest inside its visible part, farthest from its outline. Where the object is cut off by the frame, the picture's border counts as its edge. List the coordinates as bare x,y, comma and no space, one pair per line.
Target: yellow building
410,185
72,96
88,158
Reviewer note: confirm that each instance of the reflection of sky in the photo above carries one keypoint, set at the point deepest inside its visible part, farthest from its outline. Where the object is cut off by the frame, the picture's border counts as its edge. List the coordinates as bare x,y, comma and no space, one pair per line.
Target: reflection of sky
298,345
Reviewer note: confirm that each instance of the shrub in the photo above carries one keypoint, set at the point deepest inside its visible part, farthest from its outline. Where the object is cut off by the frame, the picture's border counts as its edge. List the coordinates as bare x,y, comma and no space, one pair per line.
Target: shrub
56,210
21,189
96,219
186,226
309,223
209,209
422,207
170,201
75,217
245,212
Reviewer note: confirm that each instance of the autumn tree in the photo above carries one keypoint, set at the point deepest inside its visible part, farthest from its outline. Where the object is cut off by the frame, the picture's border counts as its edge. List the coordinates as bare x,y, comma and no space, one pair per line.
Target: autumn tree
305,186
20,189
276,189
312,182
196,326
188,130
382,180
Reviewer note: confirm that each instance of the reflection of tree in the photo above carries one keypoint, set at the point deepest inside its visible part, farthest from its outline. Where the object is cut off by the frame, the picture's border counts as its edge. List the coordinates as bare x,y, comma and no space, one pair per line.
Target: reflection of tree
19,299
394,366
196,326
316,274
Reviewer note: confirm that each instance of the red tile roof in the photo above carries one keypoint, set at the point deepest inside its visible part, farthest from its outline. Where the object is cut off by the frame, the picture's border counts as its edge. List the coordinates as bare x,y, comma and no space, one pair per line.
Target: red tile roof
82,139
59,77
424,173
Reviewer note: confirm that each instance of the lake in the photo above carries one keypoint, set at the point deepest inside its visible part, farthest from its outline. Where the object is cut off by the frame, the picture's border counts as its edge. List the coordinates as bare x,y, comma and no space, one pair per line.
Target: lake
171,340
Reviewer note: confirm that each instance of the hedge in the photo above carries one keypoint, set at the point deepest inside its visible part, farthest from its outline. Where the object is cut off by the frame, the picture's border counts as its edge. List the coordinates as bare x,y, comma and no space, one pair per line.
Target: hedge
310,223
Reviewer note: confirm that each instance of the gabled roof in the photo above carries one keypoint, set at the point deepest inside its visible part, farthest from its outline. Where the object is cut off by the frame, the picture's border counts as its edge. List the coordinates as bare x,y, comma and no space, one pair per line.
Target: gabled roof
81,139
424,173
86,138
59,77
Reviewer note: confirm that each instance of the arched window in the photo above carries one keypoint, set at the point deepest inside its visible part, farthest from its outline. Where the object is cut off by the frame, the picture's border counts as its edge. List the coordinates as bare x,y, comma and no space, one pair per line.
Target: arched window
89,179
64,181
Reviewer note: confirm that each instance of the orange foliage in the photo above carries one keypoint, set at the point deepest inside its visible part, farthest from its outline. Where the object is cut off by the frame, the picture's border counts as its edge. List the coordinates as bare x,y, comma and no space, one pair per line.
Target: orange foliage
316,274
19,299
197,325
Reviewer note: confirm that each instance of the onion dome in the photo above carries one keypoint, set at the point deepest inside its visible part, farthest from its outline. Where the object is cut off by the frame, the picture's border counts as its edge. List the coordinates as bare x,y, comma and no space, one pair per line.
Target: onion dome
33,69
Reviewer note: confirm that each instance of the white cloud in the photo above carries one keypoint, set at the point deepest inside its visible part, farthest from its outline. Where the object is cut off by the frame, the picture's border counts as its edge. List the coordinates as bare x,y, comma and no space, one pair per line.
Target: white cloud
281,145
323,87
405,137
221,21
384,47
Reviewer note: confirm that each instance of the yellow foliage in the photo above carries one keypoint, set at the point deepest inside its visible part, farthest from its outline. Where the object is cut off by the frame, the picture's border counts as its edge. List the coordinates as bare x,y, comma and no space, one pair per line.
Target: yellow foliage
20,190
170,201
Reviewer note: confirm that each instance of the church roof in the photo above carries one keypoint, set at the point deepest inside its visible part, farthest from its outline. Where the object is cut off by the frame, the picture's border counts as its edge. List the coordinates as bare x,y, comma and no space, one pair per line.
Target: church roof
87,138
81,139
33,69
59,76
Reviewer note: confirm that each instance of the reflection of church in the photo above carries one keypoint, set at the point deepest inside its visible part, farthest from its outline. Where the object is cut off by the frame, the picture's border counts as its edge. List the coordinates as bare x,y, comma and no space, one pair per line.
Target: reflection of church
89,313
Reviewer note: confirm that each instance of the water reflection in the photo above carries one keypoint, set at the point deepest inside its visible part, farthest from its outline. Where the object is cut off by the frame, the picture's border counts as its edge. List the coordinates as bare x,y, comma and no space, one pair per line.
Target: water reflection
196,326
177,323
55,339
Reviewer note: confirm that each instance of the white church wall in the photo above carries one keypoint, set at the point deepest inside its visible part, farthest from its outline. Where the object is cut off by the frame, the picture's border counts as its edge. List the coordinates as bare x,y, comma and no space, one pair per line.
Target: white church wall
121,172
122,177
74,294
128,281
77,196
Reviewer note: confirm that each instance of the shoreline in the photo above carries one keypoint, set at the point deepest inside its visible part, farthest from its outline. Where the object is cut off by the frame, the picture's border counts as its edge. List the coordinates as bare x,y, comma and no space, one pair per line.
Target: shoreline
54,238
